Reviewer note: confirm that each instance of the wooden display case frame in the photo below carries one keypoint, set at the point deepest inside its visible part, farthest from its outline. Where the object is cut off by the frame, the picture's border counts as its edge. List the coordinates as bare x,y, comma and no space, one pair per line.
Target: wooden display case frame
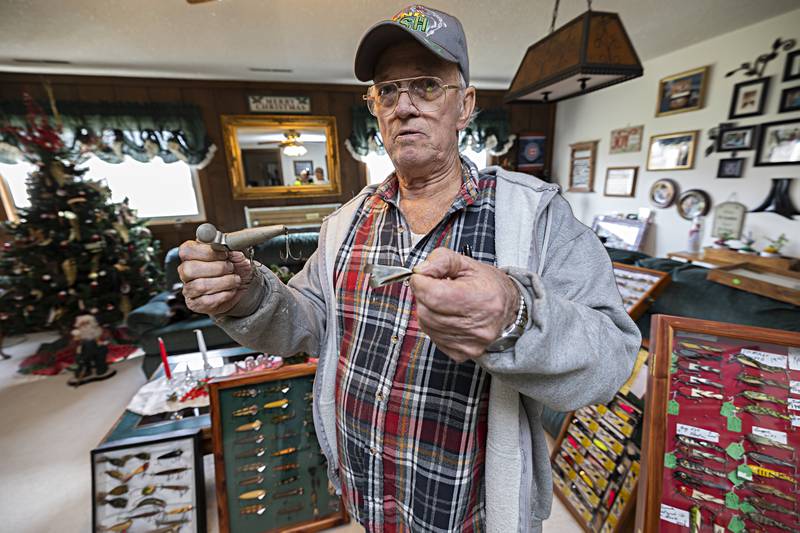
662,333
726,276
286,372
650,296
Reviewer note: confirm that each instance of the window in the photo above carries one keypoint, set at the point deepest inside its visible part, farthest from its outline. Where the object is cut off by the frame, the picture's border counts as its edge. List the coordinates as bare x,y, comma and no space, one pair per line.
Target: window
380,166
157,190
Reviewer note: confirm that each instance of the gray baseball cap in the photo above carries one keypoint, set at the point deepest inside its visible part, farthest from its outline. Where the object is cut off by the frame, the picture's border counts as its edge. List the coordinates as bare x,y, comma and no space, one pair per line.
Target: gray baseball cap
441,33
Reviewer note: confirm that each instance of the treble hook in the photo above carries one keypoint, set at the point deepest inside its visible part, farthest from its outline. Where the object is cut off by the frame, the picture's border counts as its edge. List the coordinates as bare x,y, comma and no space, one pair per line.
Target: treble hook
285,256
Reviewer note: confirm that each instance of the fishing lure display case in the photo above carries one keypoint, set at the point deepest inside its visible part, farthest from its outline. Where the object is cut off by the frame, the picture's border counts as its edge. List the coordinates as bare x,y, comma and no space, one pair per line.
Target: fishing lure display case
596,463
639,287
146,484
270,472
722,426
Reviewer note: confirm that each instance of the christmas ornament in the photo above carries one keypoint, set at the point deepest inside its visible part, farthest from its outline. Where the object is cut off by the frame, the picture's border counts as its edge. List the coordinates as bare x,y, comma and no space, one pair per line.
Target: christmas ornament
70,268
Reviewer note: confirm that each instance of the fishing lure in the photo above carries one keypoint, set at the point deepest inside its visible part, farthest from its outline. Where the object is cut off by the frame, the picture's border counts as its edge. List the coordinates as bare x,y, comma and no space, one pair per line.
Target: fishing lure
176,488
766,411
116,491
695,380
284,436
692,367
696,467
694,354
180,510
283,389
752,363
116,474
121,526
158,502
760,471
291,510
704,347
695,519
758,396
246,411
253,509
689,479
170,455
762,520
285,451
250,426
744,377
135,472
288,493
696,495
277,419
765,505
764,458
288,480
173,523
694,452
251,439
119,503
277,404
769,489
697,443
257,494
252,467
245,393
254,480
764,441
170,471
700,394
284,468
253,452
146,514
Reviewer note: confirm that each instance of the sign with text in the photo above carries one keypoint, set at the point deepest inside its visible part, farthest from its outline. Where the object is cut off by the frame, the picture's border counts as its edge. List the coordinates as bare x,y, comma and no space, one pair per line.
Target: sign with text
279,104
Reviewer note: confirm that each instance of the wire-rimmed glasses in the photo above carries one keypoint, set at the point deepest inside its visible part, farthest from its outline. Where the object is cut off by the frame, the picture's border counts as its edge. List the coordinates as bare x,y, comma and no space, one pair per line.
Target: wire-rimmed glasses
427,93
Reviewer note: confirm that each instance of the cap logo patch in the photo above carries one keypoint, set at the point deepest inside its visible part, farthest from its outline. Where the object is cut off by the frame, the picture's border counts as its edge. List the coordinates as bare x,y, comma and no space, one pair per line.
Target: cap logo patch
420,18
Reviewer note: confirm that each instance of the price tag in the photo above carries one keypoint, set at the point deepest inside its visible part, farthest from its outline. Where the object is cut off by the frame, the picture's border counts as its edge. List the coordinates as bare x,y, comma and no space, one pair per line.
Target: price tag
747,508
794,387
735,450
673,515
779,436
673,407
734,424
795,421
794,358
736,480
697,433
794,404
744,472
771,359
727,409
732,501
736,525
669,460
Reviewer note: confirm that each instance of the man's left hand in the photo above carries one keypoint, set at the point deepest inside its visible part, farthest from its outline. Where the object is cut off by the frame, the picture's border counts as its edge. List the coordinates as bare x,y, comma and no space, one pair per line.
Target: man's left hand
462,304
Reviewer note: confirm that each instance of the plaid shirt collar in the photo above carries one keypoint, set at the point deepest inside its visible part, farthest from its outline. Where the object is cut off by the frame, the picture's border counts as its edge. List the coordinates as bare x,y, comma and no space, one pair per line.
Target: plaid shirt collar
388,190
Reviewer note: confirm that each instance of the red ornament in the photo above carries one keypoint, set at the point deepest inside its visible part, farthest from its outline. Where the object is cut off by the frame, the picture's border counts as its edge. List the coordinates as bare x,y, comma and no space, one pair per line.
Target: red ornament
62,295
7,246
94,284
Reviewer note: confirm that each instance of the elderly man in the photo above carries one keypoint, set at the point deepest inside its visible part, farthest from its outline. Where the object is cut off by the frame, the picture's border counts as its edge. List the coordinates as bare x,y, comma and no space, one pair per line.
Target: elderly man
428,393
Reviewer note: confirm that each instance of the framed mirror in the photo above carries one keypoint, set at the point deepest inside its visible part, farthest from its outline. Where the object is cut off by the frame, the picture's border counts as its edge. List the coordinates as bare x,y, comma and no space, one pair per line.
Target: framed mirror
281,156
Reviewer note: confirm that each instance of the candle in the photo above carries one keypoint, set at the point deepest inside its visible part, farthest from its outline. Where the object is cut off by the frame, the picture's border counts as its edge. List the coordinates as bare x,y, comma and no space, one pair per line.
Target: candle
164,360
201,344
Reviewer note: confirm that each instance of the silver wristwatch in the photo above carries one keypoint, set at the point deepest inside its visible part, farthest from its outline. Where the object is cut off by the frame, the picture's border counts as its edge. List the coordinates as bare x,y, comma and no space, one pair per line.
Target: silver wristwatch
509,336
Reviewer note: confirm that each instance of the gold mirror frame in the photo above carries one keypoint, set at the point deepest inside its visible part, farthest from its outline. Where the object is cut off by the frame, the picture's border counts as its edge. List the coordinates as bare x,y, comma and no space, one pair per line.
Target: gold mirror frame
230,125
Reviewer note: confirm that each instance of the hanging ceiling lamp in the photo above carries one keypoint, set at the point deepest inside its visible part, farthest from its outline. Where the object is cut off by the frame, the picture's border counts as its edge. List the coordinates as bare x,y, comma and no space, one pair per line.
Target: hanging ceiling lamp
588,53
292,147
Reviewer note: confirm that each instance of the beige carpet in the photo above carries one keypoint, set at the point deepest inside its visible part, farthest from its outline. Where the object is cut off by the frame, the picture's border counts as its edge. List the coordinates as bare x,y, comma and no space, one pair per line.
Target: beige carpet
48,429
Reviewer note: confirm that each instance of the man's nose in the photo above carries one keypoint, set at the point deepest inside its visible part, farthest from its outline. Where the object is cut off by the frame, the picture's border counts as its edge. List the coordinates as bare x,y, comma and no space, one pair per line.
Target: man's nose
405,107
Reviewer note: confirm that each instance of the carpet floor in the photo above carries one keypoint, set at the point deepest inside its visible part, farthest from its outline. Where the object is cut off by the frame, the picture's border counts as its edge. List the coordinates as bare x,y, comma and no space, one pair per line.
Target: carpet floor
48,430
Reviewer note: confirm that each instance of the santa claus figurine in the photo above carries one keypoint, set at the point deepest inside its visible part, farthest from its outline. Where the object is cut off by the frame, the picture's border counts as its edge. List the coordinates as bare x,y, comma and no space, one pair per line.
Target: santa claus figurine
91,353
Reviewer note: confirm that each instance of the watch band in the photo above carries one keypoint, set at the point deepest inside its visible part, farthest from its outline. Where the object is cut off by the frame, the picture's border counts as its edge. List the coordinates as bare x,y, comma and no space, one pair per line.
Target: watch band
509,336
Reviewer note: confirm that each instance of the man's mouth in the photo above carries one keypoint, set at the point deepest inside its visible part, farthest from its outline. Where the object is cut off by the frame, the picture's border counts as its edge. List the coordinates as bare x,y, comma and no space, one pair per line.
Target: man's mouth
407,133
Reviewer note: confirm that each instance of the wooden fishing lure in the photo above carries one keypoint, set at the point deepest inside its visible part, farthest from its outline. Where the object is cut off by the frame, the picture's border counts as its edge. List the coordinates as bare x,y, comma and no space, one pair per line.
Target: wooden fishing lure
277,404
257,494
250,426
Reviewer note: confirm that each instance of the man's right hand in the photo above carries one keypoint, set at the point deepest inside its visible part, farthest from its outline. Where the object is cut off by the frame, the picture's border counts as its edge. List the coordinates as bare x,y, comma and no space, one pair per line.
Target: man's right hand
213,281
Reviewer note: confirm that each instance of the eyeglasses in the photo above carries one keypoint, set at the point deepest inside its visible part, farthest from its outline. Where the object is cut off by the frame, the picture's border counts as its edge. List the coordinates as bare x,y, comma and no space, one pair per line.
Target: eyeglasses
427,93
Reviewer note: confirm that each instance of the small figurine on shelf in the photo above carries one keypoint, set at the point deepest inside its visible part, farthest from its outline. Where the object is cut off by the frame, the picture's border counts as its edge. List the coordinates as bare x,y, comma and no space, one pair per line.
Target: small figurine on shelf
695,235
775,245
722,239
747,244
90,358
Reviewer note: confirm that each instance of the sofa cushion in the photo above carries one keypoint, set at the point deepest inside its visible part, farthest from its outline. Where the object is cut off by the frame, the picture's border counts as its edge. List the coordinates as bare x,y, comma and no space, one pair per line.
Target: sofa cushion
153,314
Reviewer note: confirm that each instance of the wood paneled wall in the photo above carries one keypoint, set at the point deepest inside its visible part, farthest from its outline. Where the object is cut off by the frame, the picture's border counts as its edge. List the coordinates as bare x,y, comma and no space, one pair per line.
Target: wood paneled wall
217,98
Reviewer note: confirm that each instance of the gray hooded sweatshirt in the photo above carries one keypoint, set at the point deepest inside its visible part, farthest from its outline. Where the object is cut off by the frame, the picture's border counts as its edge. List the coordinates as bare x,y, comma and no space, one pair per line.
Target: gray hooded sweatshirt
578,349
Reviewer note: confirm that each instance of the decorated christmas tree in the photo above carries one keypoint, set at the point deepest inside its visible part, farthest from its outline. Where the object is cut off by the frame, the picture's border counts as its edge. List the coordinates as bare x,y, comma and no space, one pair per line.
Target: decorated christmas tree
72,252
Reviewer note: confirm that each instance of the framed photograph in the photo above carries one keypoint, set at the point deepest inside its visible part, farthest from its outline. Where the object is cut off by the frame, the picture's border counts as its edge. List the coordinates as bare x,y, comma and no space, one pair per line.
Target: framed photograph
732,167
300,166
619,232
672,151
790,100
531,152
581,165
736,139
626,140
779,143
620,181
682,92
142,483
663,193
679,421
694,203
749,98
791,69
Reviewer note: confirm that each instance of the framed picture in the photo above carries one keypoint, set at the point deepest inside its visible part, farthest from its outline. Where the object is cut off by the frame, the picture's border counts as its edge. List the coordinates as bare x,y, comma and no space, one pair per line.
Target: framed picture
682,92
735,139
619,232
679,422
732,167
142,483
663,193
300,166
749,98
779,143
728,220
672,151
531,152
625,140
790,100
620,181
581,165
694,203
791,69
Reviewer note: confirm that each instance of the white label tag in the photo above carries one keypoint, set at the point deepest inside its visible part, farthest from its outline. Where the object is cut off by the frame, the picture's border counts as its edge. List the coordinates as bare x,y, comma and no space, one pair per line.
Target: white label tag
794,404
771,359
697,433
674,515
778,436
794,358
795,421
794,387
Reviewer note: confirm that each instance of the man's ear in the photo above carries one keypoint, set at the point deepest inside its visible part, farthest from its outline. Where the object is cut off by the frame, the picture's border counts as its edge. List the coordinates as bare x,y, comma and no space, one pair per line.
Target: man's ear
467,107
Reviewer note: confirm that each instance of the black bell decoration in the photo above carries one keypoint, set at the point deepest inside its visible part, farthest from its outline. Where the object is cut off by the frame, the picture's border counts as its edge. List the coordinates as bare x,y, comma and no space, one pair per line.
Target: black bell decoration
778,200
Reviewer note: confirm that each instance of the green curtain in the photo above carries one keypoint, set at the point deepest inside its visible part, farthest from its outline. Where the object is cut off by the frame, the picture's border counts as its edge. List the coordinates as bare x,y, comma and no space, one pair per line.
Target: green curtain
112,130
489,130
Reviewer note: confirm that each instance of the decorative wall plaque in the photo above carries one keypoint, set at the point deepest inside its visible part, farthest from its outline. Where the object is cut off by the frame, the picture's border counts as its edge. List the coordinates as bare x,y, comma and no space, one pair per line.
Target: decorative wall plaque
728,220
278,104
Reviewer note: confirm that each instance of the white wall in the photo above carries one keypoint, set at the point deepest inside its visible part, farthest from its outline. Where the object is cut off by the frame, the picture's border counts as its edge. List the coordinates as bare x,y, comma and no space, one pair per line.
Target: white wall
317,153
592,117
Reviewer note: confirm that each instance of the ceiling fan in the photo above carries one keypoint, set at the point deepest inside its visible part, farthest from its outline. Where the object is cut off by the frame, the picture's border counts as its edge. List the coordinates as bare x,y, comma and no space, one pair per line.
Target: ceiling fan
291,145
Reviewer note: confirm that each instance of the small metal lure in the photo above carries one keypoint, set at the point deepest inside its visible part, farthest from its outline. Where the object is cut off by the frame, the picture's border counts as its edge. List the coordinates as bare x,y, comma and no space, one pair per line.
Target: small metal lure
758,396
764,441
246,411
696,495
146,514
282,418
383,275
700,394
689,441
282,436
769,489
764,458
253,509
135,472
180,510
148,490
116,474
760,382
696,467
252,467
251,439
245,393
690,366
176,488
283,403
250,426
119,503
283,389
760,471
694,354
752,363
285,468
285,451
257,494
172,523
766,411
253,452
170,471
696,481
288,493
695,519
255,480
695,380
762,520
170,455
765,505
121,526
705,347
288,480
694,452
119,490
151,501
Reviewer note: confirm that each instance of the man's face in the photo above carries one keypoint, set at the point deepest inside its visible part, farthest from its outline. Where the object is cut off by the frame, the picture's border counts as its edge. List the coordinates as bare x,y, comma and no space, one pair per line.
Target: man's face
417,141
